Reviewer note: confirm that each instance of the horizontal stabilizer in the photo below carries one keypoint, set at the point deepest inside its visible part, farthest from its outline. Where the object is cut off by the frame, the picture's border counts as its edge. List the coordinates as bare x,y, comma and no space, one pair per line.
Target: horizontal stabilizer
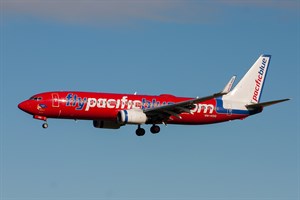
264,104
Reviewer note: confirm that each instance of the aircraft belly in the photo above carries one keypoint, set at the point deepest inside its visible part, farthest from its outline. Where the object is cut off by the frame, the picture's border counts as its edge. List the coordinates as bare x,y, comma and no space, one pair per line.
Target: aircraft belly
205,118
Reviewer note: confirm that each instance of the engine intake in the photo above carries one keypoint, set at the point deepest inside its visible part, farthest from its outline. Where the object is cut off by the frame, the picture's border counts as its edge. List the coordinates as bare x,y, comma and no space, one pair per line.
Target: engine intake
133,116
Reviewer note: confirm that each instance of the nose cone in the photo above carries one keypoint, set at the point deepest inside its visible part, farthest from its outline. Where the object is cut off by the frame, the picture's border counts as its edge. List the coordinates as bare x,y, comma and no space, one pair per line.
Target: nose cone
24,106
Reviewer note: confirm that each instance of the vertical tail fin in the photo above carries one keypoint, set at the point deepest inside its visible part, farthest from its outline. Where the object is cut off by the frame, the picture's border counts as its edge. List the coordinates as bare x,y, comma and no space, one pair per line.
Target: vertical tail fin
250,87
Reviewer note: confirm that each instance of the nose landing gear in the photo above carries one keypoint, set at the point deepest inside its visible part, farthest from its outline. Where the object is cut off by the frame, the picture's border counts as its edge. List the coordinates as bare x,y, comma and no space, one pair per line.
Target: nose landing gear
45,125
43,118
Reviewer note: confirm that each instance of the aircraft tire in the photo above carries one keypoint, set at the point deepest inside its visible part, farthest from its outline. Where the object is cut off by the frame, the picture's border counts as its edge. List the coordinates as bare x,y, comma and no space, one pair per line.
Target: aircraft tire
155,129
140,132
45,125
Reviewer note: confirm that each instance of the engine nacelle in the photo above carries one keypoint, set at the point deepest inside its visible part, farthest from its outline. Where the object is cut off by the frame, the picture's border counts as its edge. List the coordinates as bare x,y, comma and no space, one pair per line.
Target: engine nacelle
133,116
106,124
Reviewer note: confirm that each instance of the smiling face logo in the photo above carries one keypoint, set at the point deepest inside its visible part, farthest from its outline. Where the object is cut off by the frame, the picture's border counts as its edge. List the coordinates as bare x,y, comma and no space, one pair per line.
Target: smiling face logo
41,107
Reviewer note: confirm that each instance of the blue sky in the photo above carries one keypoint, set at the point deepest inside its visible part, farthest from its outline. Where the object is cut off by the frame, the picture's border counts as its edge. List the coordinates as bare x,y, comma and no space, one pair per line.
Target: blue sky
185,48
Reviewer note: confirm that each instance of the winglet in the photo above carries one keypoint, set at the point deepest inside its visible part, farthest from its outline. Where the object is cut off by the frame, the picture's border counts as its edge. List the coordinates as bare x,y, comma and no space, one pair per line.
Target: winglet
229,85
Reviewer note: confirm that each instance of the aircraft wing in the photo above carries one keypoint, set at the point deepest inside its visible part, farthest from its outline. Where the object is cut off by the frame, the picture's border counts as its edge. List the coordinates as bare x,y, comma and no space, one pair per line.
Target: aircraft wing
163,113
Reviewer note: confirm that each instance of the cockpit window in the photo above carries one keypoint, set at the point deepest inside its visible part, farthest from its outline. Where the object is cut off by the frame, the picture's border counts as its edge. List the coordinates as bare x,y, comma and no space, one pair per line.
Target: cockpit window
35,98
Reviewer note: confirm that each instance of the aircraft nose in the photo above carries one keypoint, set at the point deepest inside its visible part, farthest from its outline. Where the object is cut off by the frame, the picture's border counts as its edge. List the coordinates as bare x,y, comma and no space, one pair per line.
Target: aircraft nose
24,106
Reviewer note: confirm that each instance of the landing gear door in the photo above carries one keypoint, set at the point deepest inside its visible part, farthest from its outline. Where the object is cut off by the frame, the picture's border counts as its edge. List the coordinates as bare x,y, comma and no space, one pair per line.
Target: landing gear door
55,100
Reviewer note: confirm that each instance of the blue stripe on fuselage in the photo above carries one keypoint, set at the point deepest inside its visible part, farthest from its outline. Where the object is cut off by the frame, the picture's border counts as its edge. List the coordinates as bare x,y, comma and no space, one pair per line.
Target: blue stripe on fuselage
221,110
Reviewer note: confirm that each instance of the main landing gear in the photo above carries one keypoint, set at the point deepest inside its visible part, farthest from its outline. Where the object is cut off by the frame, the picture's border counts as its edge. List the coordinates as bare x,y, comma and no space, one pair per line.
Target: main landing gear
140,131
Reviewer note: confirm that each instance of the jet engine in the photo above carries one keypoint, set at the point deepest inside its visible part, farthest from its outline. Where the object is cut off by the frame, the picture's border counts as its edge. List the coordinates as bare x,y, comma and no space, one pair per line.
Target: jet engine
133,116
106,124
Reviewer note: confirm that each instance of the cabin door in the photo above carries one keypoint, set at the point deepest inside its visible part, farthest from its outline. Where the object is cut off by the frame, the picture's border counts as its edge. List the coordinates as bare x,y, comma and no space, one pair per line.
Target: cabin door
55,100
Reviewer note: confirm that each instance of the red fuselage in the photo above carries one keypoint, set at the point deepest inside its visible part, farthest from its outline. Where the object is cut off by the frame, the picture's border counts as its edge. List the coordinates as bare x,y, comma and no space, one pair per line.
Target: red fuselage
105,106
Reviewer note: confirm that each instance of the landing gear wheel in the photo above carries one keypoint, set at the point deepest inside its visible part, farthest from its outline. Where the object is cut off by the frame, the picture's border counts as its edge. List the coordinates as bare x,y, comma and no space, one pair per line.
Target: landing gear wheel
155,129
45,125
140,131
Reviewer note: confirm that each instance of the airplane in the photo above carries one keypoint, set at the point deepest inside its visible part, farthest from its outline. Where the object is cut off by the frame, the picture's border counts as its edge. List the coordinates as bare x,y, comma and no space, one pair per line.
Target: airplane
111,110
